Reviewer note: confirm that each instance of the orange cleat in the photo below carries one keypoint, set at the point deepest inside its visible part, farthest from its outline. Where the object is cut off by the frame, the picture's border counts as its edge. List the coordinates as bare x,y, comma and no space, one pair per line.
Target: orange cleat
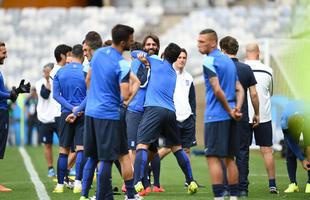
124,188
4,189
158,189
145,192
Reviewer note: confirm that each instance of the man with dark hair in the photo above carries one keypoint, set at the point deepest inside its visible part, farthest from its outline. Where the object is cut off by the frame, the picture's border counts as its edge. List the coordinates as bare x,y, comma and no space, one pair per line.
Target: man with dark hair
91,43
224,97
108,84
70,90
159,117
230,46
4,114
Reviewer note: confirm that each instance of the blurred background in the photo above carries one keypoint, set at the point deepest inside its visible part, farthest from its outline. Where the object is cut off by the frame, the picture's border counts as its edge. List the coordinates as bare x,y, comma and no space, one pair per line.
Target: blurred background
32,29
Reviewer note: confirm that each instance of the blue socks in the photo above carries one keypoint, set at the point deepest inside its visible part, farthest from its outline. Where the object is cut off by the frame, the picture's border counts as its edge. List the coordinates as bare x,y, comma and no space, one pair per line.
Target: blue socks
79,165
104,184
140,164
218,190
130,189
185,165
272,183
88,175
233,190
62,167
155,166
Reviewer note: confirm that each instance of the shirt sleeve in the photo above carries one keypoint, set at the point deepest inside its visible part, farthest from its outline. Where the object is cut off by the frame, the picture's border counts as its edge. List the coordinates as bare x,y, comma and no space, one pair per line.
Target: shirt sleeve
4,95
208,67
192,98
81,106
44,92
57,94
125,71
252,79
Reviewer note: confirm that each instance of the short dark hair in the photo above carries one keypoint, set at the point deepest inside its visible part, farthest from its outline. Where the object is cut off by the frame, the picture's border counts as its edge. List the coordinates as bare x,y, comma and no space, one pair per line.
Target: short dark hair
136,46
93,40
2,44
121,33
172,52
183,50
210,31
153,37
61,49
229,45
107,43
77,51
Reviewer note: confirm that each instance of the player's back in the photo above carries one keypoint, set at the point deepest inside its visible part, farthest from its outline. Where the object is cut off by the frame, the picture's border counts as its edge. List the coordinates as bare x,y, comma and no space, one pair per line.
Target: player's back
72,83
225,70
104,98
161,84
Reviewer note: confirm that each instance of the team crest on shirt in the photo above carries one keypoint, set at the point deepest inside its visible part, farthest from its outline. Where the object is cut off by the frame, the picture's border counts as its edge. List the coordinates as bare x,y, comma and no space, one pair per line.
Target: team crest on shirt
187,82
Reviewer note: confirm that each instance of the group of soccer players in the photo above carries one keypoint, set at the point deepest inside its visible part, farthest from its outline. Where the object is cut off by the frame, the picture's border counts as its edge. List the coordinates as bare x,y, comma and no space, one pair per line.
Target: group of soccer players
115,111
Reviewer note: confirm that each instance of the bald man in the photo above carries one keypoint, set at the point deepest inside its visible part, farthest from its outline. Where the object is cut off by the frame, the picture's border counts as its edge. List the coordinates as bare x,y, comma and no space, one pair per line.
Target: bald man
263,132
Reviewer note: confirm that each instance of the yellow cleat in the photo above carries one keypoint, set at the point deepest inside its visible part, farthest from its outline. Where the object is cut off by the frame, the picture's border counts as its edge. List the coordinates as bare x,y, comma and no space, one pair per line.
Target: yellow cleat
292,188
77,189
59,188
84,198
307,188
139,187
192,188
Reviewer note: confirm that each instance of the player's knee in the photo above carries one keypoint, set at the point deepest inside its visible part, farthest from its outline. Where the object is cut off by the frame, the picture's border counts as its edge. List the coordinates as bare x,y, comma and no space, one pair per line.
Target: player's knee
142,146
266,150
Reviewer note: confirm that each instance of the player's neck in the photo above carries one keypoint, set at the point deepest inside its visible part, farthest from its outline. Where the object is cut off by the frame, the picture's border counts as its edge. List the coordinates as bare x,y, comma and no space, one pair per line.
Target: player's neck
118,48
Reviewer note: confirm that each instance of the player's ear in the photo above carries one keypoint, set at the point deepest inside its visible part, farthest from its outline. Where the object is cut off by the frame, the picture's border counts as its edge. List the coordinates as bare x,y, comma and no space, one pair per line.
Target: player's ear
123,43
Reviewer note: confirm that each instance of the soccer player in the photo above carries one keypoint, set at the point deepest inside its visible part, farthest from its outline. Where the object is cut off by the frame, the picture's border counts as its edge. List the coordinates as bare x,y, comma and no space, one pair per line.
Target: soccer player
224,98
70,90
4,114
293,123
159,117
107,85
185,105
45,110
230,46
151,46
263,132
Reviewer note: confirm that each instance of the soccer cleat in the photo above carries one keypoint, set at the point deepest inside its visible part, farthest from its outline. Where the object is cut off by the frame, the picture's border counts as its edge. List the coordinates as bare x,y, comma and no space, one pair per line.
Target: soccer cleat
77,187
158,189
192,188
84,198
292,188
145,192
124,188
139,187
51,173
59,188
69,183
307,188
273,190
4,189
243,193
137,197
93,198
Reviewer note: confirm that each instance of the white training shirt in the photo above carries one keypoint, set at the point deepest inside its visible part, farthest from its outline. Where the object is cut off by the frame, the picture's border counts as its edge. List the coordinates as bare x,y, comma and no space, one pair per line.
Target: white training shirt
46,107
181,95
57,109
263,75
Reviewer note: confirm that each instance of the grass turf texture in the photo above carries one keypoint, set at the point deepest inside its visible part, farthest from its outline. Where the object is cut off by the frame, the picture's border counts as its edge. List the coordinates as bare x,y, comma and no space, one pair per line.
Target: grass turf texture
14,175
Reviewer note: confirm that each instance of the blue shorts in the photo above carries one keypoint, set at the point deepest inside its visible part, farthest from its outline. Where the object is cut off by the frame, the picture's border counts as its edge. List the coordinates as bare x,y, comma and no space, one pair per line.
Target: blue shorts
46,132
103,139
71,134
221,139
158,121
187,130
4,130
263,134
133,120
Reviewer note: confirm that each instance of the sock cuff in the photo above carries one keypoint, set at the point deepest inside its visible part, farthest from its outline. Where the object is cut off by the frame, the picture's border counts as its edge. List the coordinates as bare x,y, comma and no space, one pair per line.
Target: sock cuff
62,155
218,190
233,189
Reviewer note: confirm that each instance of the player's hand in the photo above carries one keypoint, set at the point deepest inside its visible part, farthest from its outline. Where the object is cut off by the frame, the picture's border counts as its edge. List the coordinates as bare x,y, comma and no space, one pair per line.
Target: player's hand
236,114
23,88
71,118
142,58
255,120
13,94
306,164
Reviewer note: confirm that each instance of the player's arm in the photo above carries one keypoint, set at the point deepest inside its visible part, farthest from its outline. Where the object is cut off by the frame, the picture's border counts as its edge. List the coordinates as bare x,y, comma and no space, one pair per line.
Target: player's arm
125,87
239,95
255,103
57,94
87,79
134,87
192,98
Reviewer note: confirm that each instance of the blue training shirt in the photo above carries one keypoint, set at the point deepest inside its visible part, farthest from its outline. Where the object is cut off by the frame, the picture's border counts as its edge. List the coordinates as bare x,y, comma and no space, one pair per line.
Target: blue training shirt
4,94
292,108
137,103
161,84
109,69
69,86
220,65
